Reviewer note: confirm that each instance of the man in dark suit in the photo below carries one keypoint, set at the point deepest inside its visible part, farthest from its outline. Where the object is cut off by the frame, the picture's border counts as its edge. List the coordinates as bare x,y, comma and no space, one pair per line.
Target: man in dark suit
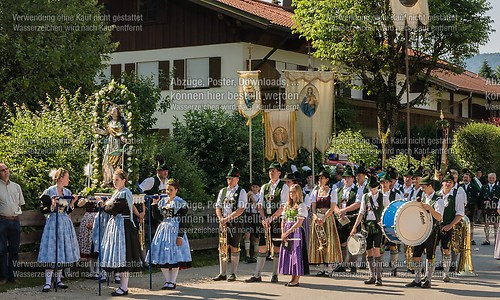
490,193
472,192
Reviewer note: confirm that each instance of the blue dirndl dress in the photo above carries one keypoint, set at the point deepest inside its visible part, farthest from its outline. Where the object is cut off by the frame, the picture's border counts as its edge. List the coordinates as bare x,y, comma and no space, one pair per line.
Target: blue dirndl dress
67,242
120,243
164,251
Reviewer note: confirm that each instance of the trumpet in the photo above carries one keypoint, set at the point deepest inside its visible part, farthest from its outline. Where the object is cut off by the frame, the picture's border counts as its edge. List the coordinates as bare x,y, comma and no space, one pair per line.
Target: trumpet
321,235
223,246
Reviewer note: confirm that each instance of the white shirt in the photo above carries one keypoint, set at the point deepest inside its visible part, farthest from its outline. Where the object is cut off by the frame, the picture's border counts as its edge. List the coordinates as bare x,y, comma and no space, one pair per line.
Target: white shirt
225,202
302,208
345,194
361,189
371,213
149,182
11,199
333,195
407,191
251,207
283,196
438,206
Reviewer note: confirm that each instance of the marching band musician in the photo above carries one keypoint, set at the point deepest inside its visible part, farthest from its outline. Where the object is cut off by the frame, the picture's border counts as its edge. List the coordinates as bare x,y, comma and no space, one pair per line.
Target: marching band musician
454,209
348,207
490,193
170,246
309,187
434,204
231,203
389,191
323,204
66,241
370,214
252,217
85,236
120,244
408,186
363,188
293,253
417,190
472,193
273,196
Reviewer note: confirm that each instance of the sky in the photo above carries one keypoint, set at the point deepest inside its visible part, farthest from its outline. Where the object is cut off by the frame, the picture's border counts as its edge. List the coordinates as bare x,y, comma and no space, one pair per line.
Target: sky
493,45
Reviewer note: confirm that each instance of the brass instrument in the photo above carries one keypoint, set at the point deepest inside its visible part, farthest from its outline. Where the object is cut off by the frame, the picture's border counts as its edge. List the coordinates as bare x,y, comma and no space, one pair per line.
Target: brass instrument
320,234
409,257
465,267
223,246
269,242
139,199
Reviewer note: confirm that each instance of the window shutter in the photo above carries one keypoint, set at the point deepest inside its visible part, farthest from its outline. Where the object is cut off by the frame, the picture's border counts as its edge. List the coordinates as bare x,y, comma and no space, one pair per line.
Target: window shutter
179,74
215,71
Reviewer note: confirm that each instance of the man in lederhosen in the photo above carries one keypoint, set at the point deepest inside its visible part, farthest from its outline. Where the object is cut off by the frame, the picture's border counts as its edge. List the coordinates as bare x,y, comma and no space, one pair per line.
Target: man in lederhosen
273,197
407,187
434,204
231,203
349,205
394,194
454,209
472,192
417,190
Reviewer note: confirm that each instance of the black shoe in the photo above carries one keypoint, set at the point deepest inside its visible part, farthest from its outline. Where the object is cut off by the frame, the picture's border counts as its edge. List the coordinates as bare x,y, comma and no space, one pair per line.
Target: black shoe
485,243
353,270
473,242
251,260
370,281
274,279
339,268
288,284
165,286
118,279
410,271
413,284
254,279
171,287
123,293
426,285
378,282
219,277
321,274
61,285
46,288
231,277
394,272
247,258
446,278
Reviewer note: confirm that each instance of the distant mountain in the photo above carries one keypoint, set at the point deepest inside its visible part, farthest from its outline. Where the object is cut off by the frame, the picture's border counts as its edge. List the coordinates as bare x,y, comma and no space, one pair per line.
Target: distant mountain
474,64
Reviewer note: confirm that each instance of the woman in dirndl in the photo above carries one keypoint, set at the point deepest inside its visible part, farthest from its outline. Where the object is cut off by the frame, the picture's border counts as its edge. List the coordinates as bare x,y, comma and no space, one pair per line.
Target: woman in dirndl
170,246
85,235
65,239
323,204
293,250
120,243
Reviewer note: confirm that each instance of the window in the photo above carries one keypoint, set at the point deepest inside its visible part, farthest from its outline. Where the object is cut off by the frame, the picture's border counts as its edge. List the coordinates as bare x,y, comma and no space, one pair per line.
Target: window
148,69
194,73
197,73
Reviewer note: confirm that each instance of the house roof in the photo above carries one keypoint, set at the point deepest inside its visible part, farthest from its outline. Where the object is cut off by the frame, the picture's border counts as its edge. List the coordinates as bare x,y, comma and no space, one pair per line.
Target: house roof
467,81
263,13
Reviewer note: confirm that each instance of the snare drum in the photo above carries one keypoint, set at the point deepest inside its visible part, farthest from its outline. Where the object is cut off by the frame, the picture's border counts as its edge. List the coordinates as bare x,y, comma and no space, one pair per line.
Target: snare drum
356,244
406,222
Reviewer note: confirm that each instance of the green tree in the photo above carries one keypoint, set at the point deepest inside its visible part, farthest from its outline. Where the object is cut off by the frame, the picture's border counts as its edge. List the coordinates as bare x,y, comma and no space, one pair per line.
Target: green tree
214,140
36,142
356,147
476,146
45,45
360,38
486,71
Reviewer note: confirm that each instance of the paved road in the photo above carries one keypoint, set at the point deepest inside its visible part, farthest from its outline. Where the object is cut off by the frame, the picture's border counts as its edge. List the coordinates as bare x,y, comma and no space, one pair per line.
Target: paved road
196,284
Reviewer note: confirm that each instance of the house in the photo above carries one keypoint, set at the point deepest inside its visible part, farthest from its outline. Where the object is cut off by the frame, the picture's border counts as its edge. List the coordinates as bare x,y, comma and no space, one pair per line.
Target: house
205,43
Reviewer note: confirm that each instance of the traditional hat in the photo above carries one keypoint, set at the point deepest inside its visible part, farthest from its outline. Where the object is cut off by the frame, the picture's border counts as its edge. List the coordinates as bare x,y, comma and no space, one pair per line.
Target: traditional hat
447,177
161,166
408,173
361,168
392,172
325,174
385,176
468,172
418,172
274,165
233,172
373,182
348,172
426,180
289,177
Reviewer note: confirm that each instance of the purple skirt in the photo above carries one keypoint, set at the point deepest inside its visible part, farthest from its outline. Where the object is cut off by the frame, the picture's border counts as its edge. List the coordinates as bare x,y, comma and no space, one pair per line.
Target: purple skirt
293,257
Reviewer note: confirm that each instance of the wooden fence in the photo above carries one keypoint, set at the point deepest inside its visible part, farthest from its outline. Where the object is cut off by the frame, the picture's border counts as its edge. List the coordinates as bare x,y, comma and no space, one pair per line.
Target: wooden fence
35,220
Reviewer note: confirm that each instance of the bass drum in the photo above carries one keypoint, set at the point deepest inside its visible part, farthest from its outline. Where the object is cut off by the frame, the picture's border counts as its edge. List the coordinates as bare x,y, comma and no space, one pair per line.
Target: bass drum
356,244
406,222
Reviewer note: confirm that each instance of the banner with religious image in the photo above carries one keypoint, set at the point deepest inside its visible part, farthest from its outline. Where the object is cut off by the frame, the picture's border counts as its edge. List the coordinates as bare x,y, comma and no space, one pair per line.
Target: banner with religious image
280,126
410,11
312,92
249,98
